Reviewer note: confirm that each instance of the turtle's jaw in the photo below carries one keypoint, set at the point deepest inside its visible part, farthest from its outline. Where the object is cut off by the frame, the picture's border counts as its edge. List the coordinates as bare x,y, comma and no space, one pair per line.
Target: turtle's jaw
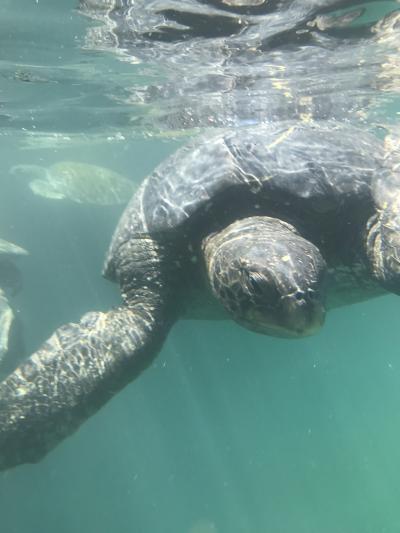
292,322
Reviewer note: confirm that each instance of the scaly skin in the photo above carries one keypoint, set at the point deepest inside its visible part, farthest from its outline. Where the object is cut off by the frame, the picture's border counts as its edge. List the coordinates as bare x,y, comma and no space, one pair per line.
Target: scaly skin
324,185
83,365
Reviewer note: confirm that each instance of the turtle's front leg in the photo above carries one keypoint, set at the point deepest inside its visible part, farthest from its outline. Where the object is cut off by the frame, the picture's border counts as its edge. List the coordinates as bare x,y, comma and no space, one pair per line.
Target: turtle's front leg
382,245
70,377
382,241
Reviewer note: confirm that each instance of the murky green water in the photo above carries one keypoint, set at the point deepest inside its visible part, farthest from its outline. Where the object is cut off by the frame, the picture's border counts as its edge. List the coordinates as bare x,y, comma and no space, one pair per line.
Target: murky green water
228,432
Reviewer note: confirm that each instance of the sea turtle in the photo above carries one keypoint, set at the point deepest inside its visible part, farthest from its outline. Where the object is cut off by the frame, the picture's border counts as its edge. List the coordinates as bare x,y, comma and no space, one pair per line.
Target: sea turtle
79,182
259,221
10,284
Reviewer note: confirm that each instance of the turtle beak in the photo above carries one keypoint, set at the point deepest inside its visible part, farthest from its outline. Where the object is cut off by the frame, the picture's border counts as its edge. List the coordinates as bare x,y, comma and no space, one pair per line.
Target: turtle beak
293,320
302,318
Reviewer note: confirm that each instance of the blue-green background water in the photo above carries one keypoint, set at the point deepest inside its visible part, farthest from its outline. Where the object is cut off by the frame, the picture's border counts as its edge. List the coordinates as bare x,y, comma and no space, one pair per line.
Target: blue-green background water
228,432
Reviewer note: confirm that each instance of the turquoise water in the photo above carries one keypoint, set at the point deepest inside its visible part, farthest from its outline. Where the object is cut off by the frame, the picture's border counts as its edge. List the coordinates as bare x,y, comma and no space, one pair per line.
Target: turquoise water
228,432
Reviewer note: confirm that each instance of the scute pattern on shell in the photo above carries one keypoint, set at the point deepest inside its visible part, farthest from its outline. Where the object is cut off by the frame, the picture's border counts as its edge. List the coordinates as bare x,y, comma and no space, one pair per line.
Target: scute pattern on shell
314,162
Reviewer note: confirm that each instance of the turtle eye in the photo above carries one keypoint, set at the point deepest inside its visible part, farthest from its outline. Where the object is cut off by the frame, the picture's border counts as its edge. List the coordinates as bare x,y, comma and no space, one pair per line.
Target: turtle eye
299,295
257,283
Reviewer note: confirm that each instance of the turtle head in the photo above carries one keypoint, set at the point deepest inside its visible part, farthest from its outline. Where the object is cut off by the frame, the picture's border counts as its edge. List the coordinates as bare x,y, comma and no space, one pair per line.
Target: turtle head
268,277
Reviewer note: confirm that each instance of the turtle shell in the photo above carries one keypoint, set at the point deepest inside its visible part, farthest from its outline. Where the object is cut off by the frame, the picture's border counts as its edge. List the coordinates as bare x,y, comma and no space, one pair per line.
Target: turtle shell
316,176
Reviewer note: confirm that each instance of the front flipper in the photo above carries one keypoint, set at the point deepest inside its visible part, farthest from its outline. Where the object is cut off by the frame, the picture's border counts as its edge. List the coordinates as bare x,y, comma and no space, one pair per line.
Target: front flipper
46,189
382,242
70,377
383,247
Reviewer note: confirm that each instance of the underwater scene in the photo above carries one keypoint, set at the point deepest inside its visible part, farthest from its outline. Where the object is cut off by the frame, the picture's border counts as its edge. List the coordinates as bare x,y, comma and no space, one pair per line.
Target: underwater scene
253,280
